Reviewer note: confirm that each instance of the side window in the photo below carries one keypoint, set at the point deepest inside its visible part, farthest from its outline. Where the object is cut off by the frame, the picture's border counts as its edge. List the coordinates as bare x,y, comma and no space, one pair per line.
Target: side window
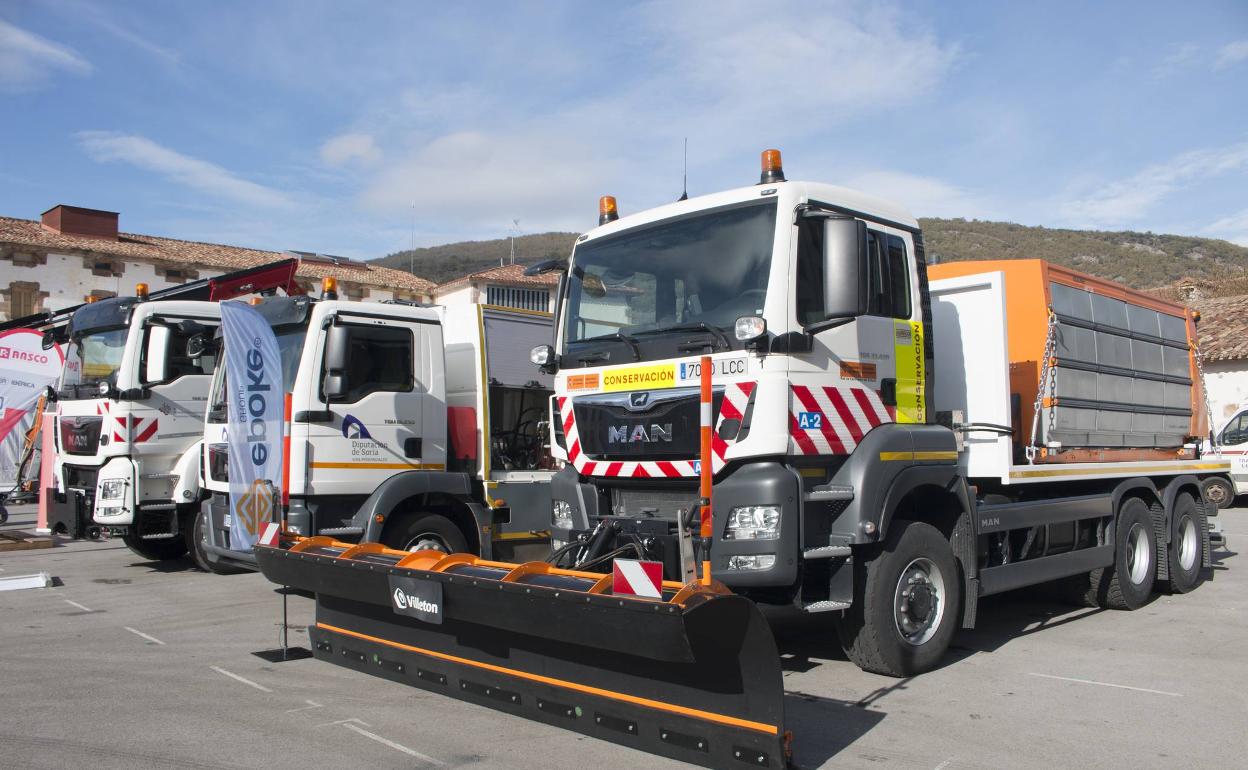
178,363
888,276
1236,431
379,359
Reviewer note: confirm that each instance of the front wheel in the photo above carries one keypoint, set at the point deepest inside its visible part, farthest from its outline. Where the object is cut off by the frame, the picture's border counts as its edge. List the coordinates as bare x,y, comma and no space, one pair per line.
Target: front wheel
200,555
1218,491
425,532
907,600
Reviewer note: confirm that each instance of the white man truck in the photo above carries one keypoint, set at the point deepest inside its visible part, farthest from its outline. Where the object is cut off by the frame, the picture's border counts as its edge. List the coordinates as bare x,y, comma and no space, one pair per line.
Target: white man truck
418,427
129,411
885,448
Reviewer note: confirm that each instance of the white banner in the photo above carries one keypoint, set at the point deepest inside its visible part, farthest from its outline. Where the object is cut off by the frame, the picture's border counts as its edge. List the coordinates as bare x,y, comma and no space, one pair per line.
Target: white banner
256,395
25,370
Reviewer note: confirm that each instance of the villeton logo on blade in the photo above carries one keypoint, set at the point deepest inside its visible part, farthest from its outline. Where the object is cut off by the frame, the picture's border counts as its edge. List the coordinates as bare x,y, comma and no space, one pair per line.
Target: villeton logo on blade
420,599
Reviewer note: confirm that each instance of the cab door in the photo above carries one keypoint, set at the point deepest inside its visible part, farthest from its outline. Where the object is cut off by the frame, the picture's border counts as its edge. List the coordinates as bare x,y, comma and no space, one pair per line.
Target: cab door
174,379
374,427
859,373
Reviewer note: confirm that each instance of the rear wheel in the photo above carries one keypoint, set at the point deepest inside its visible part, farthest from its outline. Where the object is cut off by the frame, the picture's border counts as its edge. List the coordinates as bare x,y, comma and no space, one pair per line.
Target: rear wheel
1218,491
1186,545
907,599
1127,584
425,531
156,550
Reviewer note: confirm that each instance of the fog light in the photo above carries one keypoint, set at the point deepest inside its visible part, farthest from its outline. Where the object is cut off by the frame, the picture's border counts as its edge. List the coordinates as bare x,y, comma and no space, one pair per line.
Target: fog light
561,514
110,511
754,562
555,545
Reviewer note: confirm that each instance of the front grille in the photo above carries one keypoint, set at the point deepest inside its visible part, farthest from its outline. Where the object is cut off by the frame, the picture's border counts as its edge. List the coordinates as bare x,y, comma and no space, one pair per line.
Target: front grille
79,477
661,503
80,435
665,426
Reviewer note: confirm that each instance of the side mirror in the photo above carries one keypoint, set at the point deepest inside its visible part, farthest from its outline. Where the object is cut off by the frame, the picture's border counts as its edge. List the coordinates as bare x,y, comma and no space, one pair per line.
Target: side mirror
200,345
49,394
49,340
337,348
543,357
845,267
156,369
335,387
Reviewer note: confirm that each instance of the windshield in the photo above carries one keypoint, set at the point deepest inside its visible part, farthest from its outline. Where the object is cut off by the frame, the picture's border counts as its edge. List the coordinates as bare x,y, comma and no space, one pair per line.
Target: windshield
710,268
290,347
91,359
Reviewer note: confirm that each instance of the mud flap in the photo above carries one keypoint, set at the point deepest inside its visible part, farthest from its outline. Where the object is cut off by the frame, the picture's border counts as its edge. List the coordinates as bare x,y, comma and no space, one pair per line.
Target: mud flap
694,677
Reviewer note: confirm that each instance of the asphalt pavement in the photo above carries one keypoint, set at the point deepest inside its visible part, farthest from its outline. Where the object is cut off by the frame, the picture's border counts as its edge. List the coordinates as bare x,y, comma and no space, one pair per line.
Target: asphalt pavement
127,663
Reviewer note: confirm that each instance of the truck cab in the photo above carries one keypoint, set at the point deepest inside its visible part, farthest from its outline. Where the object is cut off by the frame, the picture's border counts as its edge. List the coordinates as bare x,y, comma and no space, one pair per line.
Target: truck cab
129,407
430,435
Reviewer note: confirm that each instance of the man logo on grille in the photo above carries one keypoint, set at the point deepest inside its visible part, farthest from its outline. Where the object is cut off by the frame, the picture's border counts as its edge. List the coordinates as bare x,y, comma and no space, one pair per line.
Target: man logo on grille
255,507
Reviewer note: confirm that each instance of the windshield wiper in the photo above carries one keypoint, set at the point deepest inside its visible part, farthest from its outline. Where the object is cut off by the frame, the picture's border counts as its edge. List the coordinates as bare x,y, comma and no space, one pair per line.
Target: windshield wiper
632,344
697,326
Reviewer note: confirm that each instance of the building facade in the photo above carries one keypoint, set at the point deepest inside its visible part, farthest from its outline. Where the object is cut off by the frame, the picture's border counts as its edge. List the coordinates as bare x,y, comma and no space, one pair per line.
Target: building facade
505,286
72,254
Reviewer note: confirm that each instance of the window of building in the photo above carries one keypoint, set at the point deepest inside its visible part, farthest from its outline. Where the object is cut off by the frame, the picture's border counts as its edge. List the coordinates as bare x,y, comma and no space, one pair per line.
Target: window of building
523,299
104,267
23,299
379,359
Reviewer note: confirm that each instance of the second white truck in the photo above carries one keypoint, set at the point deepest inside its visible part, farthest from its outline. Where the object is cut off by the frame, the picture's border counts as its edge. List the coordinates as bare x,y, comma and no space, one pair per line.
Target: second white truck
418,427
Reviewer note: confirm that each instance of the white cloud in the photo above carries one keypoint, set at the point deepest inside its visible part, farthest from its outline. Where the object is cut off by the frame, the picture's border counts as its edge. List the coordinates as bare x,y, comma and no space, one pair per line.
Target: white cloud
28,61
1121,202
347,148
198,175
731,78
1231,54
923,196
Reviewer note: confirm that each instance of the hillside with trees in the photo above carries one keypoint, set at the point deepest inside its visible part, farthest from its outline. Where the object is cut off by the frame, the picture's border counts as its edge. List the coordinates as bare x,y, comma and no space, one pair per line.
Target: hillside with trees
1142,260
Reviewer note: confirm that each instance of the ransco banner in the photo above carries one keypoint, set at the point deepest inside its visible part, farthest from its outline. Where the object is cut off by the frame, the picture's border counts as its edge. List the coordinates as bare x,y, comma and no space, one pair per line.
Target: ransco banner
25,370
256,397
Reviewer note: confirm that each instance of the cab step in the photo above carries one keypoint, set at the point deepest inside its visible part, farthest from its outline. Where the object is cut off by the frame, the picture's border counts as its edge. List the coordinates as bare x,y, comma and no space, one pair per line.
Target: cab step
826,606
828,552
829,492
341,531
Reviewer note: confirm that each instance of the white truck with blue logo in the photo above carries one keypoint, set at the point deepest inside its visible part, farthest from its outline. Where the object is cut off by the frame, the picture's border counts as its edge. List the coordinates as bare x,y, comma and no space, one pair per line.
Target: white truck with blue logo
414,426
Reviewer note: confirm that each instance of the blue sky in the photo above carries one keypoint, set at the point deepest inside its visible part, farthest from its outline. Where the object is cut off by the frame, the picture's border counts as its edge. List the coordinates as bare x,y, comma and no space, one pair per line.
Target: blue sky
334,127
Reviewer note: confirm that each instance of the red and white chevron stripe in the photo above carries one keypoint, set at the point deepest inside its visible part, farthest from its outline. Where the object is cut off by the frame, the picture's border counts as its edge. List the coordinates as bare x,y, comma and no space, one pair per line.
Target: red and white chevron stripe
732,407
139,429
844,415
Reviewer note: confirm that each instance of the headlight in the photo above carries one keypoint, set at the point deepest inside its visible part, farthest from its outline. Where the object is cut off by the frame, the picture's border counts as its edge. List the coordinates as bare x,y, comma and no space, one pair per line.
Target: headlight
110,511
561,515
754,522
112,489
758,562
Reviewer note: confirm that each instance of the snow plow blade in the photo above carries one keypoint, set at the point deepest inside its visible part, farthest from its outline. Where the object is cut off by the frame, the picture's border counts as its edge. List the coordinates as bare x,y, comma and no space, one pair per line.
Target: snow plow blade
694,676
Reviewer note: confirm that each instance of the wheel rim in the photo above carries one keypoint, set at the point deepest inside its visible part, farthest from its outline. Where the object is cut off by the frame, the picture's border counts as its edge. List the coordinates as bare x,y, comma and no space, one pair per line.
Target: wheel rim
1216,493
1139,555
1189,543
427,541
919,601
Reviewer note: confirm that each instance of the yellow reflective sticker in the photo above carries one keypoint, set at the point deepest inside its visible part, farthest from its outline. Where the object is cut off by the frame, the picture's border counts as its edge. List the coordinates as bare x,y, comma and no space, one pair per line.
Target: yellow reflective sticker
908,353
639,378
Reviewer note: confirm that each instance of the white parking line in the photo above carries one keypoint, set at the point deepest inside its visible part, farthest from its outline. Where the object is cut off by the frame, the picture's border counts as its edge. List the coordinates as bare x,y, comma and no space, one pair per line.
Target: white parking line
311,705
1107,684
148,637
247,682
79,606
393,745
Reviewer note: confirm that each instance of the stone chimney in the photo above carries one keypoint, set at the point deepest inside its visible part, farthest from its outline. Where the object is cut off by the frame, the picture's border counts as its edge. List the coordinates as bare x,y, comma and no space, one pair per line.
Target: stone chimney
88,223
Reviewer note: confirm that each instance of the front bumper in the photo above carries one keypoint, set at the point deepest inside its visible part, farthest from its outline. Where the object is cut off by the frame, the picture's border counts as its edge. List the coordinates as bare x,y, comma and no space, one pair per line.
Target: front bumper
761,483
216,543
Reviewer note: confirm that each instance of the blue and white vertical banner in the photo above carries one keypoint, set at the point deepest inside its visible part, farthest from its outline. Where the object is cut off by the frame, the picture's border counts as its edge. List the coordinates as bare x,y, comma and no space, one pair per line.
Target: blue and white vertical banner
253,369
